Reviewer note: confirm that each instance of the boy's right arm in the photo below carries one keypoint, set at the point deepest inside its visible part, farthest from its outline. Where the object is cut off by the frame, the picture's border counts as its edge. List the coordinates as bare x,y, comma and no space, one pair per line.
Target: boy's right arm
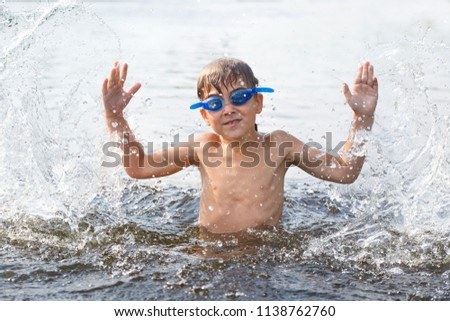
136,163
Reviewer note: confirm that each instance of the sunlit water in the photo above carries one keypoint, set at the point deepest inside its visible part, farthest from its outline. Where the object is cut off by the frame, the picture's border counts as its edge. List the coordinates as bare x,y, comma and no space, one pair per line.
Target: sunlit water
72,229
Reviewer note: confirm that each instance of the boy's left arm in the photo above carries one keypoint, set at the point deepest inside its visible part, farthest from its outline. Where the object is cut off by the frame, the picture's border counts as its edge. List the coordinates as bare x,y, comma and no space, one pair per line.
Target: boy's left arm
363,100
345,167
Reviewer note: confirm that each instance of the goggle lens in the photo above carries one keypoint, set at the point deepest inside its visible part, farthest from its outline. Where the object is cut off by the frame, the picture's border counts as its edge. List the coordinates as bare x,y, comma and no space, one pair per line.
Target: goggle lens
241,96
238,98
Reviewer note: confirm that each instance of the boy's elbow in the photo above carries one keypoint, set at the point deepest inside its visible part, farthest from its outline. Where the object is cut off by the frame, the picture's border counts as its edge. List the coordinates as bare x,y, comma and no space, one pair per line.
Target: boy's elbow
133,173
349,179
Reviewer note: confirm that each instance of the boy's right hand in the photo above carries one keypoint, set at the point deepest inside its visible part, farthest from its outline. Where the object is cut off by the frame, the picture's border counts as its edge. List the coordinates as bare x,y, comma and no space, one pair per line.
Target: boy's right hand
115,98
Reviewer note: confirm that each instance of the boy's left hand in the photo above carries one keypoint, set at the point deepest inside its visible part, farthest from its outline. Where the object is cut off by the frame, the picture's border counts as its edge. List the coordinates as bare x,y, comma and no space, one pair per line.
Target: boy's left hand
363,98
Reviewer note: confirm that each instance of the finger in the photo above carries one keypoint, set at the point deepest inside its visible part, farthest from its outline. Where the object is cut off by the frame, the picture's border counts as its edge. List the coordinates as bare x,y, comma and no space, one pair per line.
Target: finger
132,91
112,78
358,75
347,93
105,86
123,74
370,76
117,73
375,84
364,73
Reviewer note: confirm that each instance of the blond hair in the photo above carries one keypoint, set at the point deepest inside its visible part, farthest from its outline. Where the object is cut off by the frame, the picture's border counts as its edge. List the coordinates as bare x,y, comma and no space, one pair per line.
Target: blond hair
224,72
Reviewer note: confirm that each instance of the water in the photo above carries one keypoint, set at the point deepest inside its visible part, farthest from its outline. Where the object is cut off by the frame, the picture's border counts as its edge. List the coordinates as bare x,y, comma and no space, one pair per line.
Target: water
72,229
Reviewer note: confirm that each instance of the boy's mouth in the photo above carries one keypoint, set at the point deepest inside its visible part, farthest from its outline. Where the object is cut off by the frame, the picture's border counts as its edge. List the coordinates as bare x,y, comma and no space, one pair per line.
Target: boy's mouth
232,123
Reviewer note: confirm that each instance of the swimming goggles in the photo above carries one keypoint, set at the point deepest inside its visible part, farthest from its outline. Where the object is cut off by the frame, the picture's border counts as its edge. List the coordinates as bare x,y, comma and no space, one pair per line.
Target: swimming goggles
238,97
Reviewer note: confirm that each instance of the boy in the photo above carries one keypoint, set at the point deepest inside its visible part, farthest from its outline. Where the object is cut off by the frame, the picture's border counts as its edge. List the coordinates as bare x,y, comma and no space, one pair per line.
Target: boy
242,170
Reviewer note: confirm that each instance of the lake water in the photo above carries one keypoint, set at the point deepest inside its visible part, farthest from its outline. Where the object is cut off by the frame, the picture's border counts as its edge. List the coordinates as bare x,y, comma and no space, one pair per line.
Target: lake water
73,229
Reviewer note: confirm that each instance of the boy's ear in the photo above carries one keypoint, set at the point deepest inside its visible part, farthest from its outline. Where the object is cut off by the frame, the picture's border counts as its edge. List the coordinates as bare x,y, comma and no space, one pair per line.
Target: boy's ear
205,116
259,103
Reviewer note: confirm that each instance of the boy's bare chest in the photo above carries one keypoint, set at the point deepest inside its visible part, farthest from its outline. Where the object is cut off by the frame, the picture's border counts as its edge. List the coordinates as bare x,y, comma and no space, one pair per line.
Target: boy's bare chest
239,182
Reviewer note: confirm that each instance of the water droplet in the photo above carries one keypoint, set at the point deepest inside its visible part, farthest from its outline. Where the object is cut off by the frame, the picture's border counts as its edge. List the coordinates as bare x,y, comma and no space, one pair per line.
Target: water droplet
210,208
148,102
114,124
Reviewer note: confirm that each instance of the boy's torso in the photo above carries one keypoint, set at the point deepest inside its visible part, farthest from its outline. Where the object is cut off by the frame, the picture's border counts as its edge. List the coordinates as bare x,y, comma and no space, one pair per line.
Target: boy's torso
242,186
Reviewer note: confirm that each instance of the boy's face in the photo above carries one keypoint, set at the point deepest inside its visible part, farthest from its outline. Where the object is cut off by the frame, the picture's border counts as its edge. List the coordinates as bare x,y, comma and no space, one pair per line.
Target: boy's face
233,122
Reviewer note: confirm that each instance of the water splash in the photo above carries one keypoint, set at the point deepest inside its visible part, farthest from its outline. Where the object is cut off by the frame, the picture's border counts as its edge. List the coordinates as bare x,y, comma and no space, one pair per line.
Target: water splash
51,134
401,200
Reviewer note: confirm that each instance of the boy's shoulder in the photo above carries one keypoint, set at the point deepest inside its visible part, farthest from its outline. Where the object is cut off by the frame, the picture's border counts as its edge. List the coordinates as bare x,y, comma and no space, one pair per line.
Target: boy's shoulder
279,136
206,137
276,135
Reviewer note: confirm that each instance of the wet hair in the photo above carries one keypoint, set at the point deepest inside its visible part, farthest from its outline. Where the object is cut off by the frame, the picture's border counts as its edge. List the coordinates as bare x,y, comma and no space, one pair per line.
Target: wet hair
224,72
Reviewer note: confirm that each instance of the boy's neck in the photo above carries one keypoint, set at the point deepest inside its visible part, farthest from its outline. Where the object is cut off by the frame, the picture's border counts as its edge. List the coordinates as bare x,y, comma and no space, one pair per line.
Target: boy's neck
251,136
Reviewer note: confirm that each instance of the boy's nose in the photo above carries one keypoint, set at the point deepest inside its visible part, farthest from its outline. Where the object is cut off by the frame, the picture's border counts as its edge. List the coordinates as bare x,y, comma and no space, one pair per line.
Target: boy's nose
228,107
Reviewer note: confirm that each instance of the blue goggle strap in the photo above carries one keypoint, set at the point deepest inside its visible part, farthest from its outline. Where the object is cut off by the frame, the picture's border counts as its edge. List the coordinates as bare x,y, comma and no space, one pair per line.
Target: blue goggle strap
197,105
262,90
201,104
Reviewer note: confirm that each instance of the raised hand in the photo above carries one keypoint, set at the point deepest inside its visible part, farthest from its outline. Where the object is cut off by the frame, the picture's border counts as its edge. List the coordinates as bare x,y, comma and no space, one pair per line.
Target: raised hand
115,98
364,95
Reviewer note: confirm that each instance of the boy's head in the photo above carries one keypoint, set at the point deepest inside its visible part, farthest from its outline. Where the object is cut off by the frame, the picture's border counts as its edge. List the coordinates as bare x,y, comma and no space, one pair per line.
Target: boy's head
230,98
223,73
